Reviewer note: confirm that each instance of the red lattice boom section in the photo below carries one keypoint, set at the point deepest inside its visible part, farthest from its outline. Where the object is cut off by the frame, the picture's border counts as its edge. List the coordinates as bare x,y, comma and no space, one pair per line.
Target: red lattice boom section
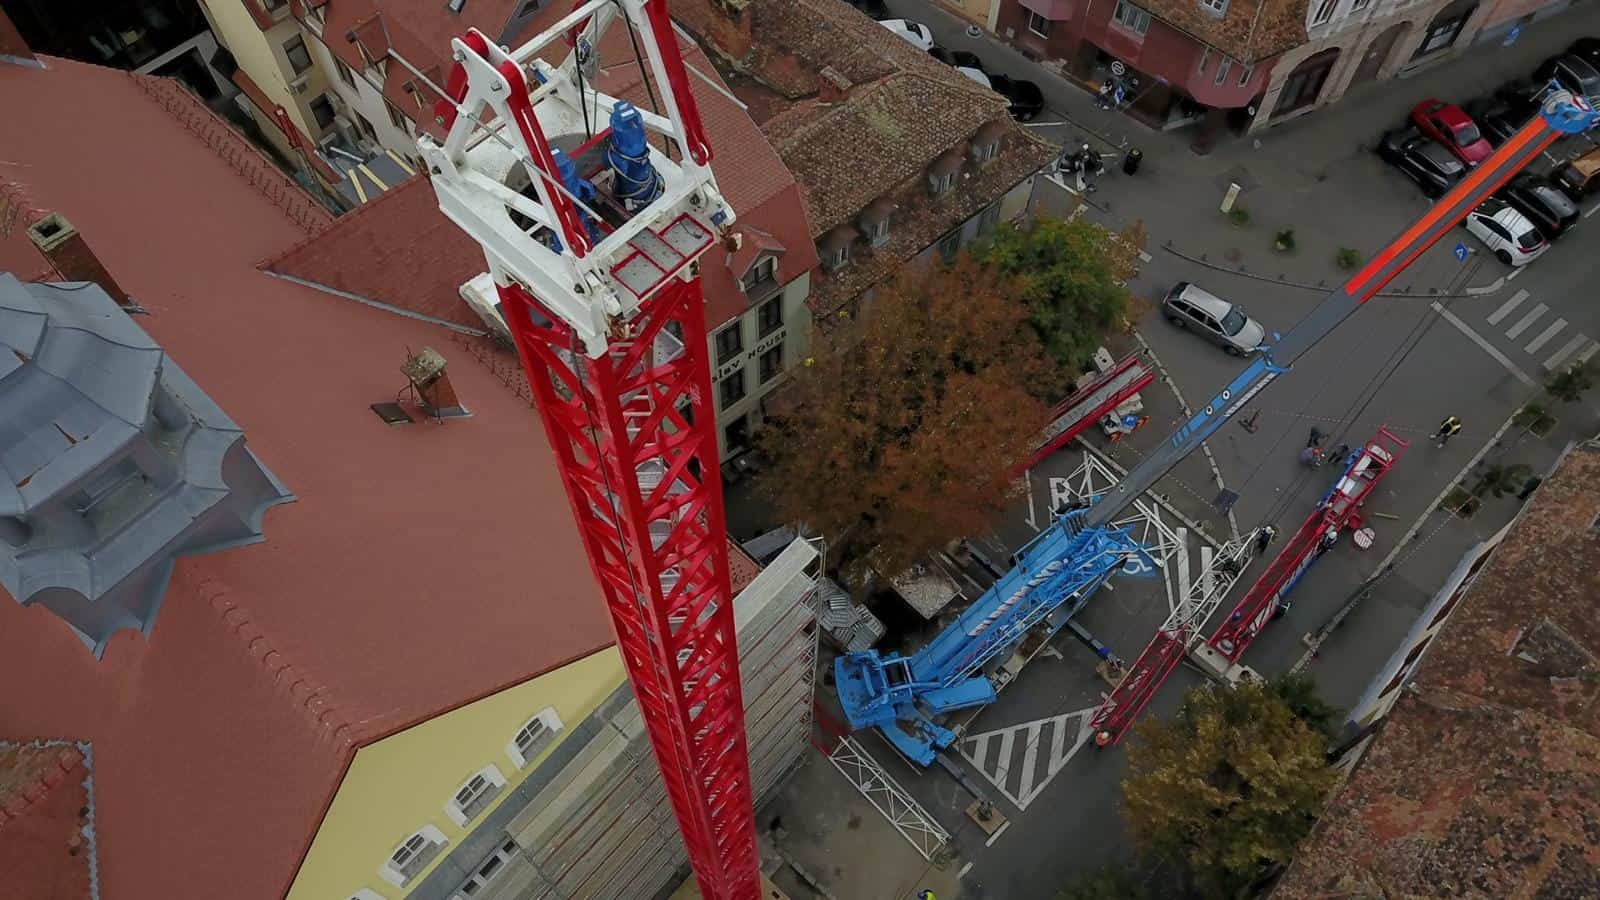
634,435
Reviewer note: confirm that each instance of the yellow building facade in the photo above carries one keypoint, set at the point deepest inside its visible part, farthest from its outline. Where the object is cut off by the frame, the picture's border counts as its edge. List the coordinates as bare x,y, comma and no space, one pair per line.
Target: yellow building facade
264,55
429,784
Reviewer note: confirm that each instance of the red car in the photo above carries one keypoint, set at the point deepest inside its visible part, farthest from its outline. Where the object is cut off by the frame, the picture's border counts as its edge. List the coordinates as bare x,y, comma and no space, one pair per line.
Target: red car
1447,124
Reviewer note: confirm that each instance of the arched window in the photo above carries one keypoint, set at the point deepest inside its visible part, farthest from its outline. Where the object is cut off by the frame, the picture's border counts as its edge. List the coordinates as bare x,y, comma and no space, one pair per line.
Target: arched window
1304,84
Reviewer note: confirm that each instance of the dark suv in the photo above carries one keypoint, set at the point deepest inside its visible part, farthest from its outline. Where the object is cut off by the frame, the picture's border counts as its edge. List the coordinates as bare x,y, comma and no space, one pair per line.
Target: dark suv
1573,73
1431,166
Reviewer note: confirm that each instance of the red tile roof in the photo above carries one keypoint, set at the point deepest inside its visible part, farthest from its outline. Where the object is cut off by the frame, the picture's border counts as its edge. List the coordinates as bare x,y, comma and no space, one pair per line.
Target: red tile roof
402,251
222,734
1247,30
44,805
1484,780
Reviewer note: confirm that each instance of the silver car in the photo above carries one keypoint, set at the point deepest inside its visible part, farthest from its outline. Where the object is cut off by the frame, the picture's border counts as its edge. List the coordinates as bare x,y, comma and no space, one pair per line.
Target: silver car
1203,312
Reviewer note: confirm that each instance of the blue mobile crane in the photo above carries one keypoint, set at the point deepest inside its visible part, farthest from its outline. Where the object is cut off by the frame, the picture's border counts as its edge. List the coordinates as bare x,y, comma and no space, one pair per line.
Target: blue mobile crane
1065,563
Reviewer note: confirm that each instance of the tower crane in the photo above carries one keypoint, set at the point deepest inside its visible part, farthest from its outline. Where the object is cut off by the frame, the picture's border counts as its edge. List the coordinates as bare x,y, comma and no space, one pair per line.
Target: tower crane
592,213
1079,551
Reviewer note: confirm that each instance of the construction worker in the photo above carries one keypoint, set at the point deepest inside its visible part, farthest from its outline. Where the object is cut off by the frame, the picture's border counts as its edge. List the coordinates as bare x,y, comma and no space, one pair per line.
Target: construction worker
925,894
1264,537
1448,429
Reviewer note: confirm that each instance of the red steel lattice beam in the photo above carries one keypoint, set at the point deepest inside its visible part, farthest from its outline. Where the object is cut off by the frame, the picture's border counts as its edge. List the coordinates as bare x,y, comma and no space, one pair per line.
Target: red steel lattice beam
634,436
1340,508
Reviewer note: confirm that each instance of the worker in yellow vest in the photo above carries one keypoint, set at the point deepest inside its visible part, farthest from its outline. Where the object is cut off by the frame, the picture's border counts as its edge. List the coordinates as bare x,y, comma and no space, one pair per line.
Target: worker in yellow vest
925,895
1448,429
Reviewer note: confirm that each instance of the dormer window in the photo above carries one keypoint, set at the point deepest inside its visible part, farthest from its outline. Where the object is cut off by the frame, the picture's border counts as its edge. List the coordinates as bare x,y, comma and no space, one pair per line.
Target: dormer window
943,171
535,735
763,271
1214,7
875,221
834,248
412,856
985,144
474,795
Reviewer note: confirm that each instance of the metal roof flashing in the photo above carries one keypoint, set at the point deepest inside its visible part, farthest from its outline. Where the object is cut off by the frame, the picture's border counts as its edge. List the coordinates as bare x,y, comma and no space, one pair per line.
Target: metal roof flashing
112,462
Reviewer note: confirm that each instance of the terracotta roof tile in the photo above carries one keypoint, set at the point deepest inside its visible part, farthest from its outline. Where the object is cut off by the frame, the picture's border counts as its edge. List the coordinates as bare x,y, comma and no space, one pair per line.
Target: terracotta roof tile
46,850
1247,30
306,645
1484,780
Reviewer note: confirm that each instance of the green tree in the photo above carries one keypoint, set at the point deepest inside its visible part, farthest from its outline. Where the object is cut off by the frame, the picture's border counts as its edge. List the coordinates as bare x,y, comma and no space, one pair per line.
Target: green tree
1227,788
1072,276
1569,384
905,430
1299,691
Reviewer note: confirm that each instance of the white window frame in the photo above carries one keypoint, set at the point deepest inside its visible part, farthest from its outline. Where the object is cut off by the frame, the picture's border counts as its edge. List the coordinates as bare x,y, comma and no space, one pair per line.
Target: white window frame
983,154
1131,17
1224,66
1325,11
1205,57
942,184
552,727
839,257
1244,77
880,231
1359,5
1214,7
459,811
395,873
1037,32
366,894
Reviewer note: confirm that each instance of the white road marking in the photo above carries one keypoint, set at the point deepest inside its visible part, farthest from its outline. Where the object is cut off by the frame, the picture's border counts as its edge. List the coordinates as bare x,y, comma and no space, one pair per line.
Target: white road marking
1043,124
1571,347
1144,257
1591,210
996,836
1506,307
1515,272
1584,356
964,870
1526,321
1182,570
1032,520
1484,345
1021,781
1545,335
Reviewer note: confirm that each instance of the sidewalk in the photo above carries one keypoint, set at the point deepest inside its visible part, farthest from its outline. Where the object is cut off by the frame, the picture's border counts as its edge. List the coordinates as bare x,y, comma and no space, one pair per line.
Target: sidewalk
1316,174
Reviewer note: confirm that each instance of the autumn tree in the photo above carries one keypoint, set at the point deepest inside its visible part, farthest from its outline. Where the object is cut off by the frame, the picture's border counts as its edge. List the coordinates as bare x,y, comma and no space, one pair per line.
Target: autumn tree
906,428
1227,788
1072,276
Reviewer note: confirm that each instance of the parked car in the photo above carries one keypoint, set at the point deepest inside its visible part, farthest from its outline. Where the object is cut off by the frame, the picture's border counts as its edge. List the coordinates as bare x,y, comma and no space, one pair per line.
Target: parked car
873,8
977,75
1224,324
1422,160
1024,96
957,58
1453,129
1541,202
1507,233
1581,177
1572,73
915,32
1497,119
1586,49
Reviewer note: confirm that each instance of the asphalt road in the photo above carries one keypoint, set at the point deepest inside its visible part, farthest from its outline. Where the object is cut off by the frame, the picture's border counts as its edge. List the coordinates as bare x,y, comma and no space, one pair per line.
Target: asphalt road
1469,338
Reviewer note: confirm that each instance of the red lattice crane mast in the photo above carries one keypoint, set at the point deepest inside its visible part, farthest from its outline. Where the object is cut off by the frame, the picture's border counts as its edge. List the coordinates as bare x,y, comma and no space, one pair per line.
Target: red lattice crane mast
592,214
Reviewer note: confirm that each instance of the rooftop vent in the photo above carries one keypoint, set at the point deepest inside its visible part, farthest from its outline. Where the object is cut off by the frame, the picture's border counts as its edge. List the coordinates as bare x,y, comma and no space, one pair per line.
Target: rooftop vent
113,463
70,256
431,385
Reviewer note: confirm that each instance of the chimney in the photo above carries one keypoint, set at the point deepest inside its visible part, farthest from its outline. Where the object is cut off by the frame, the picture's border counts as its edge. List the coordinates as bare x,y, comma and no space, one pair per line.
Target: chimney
13,47
69,253
435,394
833,86
728,27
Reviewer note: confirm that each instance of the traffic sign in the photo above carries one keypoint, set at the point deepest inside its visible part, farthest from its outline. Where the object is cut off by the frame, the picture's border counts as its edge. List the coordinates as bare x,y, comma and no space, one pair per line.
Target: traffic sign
1117,68
1512,35
1461,252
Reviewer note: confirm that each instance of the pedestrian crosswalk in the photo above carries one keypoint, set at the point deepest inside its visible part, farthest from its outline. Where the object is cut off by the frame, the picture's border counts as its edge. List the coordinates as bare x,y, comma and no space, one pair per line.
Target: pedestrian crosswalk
1535,336
1020,760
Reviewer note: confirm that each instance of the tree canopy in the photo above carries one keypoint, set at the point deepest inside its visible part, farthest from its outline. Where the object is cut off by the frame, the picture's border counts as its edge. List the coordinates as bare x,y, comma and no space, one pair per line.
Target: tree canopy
1072,276
1227,788
907,427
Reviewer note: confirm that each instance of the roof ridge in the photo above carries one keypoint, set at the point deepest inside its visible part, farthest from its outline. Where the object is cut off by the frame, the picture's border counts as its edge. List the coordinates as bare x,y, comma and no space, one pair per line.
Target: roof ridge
311,697
250,163
341,221
31,794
